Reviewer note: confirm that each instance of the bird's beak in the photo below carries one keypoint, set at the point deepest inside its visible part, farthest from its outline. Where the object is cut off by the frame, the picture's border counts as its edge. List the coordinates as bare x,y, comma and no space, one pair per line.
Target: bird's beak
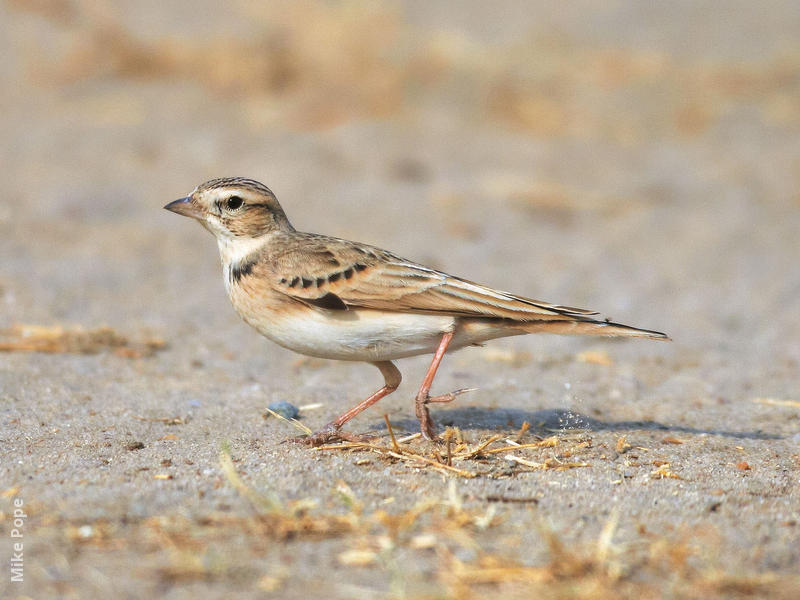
185,207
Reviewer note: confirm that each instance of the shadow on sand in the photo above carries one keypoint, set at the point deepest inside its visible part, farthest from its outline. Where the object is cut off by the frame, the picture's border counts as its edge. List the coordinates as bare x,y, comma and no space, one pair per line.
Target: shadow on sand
545,422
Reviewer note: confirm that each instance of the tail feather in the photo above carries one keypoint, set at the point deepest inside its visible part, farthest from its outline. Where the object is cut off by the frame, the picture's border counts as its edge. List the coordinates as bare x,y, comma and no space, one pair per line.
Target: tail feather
589,327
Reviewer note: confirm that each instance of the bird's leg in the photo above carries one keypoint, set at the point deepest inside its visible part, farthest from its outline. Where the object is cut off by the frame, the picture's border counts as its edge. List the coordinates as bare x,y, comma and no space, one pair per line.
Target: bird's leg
423,397
330,432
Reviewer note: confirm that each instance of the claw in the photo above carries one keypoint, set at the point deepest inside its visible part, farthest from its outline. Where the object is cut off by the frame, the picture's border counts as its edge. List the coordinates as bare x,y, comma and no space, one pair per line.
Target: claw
449,397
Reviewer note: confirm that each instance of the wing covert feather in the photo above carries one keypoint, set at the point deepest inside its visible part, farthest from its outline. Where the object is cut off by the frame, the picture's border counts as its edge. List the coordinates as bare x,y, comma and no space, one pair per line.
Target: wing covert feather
368,277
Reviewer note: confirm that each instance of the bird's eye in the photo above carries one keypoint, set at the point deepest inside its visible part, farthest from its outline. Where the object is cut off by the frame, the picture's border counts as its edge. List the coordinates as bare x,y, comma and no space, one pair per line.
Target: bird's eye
234,203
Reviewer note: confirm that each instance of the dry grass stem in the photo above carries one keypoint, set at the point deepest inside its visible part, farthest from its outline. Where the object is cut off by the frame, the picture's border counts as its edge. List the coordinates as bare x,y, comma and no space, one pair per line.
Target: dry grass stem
549,442
522,431
293,422
434,463
165,420
60,340
391,433
451,455
549,464
777,402
258,499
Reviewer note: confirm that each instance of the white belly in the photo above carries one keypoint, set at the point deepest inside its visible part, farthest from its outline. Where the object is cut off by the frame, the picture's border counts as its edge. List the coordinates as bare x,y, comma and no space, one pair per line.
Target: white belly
364,335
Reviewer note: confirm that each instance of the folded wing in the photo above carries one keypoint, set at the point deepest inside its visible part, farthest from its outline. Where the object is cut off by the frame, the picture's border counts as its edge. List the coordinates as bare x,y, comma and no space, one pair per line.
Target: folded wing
336,274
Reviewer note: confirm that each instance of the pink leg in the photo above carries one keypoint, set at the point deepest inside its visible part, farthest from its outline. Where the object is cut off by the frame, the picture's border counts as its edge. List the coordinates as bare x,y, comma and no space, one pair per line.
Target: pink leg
423,397
331,431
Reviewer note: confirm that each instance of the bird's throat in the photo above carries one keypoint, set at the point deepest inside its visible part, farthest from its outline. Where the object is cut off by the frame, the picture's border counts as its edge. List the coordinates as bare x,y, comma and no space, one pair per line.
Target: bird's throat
238,249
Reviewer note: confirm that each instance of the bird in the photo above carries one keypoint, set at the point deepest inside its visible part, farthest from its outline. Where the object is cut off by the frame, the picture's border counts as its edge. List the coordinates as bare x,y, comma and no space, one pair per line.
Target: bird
331,298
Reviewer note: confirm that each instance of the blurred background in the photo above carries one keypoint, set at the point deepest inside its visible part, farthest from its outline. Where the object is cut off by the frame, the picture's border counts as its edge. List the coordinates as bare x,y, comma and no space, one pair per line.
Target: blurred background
637,158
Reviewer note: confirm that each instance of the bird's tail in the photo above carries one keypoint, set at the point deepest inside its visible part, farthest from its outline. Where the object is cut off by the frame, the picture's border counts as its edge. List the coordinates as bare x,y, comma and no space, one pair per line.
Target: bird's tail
588,327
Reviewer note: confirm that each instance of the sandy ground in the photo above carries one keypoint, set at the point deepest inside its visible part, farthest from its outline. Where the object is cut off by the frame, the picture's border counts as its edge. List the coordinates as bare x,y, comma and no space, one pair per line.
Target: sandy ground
639,160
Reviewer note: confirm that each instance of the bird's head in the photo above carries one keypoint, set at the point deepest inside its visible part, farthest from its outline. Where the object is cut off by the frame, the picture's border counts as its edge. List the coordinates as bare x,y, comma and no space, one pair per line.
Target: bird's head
233,208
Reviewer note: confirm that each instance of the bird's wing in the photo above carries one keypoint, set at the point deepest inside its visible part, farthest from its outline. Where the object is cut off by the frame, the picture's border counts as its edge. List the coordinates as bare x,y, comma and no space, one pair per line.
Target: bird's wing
335,274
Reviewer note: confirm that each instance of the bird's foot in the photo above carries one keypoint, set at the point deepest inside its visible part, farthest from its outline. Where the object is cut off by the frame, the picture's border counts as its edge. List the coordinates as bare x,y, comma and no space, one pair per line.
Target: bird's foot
448,397
426,425
331,433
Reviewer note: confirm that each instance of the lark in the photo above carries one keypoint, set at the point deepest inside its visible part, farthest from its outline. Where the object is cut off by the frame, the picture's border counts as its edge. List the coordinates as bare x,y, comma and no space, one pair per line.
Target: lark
331,298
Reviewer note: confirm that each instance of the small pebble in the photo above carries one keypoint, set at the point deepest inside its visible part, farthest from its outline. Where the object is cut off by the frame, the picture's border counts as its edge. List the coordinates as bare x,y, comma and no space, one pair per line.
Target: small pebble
85,531
285,409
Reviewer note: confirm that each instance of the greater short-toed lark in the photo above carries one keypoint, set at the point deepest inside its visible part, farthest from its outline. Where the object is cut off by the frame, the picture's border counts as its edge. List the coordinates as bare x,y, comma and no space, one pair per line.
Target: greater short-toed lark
331,298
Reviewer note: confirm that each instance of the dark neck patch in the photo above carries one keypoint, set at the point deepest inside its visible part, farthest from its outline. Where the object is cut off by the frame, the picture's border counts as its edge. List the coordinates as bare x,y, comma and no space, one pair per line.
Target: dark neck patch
243,268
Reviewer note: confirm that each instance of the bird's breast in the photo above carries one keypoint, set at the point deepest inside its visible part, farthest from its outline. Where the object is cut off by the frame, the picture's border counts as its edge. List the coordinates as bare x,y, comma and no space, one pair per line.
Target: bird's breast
355,334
